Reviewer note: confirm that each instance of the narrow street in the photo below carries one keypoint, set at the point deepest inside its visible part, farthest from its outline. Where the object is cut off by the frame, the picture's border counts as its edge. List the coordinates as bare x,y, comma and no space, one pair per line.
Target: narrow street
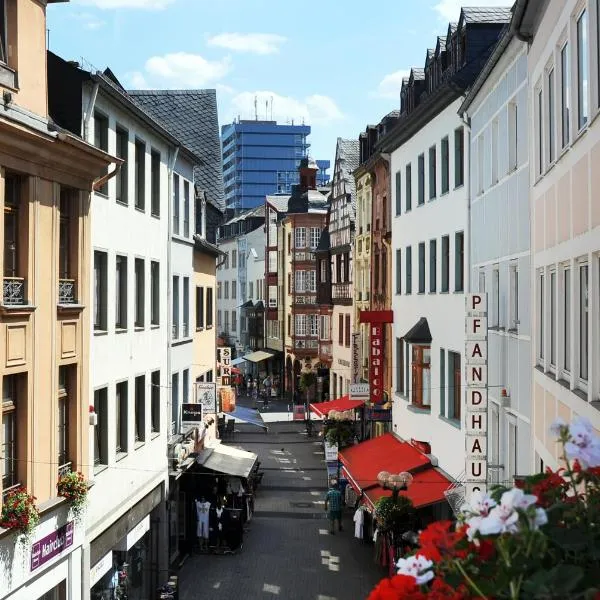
288,552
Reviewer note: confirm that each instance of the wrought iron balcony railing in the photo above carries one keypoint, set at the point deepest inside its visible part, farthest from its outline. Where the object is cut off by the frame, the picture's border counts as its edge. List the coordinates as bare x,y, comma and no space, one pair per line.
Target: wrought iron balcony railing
66,291
9,489
64,469
14,291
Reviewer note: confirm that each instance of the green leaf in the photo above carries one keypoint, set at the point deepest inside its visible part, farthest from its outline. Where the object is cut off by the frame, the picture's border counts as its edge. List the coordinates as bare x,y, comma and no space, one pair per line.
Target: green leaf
554,583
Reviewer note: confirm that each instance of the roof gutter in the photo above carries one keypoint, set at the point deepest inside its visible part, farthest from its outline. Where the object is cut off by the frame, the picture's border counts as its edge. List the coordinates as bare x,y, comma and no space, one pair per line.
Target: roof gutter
517,20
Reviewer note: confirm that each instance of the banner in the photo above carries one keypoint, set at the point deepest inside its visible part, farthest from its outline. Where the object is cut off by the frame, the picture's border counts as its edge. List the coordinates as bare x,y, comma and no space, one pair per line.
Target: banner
224,365
206,395
356,357
376,362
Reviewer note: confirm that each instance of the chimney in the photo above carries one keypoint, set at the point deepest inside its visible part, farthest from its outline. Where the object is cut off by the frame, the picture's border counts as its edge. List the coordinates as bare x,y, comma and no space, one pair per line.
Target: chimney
308,174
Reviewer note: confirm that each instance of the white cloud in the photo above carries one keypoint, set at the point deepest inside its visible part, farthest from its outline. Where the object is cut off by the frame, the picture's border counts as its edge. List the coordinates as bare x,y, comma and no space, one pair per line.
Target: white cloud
449,10
389,86
311,110
255,43
88,20
179,70
144,4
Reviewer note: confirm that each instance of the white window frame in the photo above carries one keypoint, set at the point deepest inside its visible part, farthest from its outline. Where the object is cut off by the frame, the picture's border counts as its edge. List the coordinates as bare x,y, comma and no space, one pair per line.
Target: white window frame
513,270
300,281
565,333
315,236
300,325
582,383
299,237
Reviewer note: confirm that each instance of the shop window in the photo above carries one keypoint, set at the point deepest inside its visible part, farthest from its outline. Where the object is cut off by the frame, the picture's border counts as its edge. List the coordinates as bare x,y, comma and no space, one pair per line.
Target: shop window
421,376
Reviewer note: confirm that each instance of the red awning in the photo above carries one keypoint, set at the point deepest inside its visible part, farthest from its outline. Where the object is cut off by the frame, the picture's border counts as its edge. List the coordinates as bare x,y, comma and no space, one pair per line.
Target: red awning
363,462
322,409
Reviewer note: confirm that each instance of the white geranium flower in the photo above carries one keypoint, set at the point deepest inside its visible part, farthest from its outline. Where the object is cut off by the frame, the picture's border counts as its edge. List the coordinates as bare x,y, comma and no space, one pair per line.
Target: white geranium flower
557,426
479,504
473,527
583,444
500,521
516,498
539,518
417,567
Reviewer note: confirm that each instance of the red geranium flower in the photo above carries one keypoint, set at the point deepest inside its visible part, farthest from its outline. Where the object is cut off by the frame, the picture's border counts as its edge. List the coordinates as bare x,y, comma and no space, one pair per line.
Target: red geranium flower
398,587
438,541
440,590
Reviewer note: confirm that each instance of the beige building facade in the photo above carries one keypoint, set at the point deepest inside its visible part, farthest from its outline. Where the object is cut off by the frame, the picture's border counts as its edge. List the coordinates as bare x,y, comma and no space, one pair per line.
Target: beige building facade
46,179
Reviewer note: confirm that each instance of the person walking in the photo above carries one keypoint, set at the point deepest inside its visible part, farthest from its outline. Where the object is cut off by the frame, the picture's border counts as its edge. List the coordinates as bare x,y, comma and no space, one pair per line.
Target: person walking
333,506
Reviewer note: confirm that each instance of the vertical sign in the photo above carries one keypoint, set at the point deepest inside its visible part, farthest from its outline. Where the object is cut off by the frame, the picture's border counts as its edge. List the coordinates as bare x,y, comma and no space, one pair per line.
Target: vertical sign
356,357
376,362
224,365
476,393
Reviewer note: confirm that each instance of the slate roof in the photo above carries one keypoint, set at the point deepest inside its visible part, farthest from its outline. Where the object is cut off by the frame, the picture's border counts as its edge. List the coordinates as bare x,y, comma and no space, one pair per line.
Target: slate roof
258,211
191,116
349,152
418,73
279,203
324,244
484,14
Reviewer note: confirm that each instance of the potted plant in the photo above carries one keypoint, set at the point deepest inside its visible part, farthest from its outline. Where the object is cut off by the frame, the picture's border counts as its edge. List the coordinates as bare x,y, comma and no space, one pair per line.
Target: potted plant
74,488
394,514
19,512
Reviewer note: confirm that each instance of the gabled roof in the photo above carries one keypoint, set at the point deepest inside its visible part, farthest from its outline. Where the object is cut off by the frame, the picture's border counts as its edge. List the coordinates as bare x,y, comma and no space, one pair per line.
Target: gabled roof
440,45
279,203
451,31
191,116
484,14
430,54
348,153
417,74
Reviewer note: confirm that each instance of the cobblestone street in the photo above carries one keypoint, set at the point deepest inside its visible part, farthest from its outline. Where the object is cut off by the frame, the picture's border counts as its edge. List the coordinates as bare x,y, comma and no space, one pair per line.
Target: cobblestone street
288,552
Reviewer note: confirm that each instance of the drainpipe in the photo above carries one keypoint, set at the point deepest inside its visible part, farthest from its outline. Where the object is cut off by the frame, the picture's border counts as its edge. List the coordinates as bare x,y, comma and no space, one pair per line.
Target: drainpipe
467,123
90,111
170,169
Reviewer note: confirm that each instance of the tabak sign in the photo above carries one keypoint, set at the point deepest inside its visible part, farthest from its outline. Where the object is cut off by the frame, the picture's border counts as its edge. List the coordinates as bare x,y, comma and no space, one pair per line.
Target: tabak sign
476,393
376,362
224,365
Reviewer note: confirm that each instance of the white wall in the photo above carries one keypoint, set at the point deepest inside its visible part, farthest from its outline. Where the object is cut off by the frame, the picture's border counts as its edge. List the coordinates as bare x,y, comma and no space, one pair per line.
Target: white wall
445,312
223,304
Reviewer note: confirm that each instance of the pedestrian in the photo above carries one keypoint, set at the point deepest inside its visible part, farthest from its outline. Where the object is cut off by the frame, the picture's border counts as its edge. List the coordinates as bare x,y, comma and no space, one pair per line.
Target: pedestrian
333,506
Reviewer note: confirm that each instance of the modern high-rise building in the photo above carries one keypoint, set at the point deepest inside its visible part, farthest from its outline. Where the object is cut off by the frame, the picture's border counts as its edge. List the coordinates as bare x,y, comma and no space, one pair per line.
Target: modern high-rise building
261,158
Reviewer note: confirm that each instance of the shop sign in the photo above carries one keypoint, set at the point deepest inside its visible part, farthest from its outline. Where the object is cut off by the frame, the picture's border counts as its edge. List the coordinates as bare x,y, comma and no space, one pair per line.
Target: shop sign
224,365
206,395
356,357
359,391
135,535
331,452
378,414
191,417
476,393
103,566
52,545
376,363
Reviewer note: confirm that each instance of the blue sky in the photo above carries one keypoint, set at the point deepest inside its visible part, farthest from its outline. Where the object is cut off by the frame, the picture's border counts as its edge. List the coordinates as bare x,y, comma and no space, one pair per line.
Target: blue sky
337,64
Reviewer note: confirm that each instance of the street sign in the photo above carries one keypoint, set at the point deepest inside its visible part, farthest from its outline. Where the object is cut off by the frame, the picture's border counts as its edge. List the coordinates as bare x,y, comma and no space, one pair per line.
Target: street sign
359,391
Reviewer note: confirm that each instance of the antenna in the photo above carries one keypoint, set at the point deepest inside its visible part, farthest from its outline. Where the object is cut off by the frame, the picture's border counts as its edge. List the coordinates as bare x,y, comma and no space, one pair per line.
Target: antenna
271,108
255,108
266,110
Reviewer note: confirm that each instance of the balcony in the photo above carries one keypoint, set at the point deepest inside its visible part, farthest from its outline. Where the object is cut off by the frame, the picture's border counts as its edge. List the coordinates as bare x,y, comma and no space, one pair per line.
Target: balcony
306,347
301,298
66,291
341,293
14,291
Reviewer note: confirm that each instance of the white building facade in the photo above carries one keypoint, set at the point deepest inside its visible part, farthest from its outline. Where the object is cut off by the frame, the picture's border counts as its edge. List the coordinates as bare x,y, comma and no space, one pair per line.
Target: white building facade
500,262
429,254
228,302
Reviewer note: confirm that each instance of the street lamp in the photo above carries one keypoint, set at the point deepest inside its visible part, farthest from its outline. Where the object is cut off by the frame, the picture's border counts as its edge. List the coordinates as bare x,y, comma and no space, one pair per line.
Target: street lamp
395,482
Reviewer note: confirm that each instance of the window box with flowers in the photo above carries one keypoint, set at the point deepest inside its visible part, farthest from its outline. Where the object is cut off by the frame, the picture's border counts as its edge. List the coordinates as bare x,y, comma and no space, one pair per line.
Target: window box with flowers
20,513
74,488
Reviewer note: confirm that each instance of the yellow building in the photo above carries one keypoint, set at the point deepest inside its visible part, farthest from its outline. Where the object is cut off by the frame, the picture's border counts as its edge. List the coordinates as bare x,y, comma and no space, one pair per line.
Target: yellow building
46,178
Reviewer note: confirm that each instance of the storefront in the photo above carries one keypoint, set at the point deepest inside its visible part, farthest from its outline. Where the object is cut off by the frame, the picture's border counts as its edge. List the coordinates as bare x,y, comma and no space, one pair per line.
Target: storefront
124,558
48,565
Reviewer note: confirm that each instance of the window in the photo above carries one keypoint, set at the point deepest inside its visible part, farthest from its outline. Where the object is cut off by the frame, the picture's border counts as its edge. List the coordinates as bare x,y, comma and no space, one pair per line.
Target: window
459,157
582,70
400,366
421,267
3,34
398,193
540,132
495,135
315,236
565,94
199,307
140,408
186,307
442,382
445,165
186,385
140,174
176,204
421,199
300,325
313,325
454,386
13,388
272,296
233,321
408,258
234,259
155,183
121,292
234,289
100,293
514,296
175,332
226,290
186,209
398,271
341,330
553,318
64,395
567,320
550,115
174,402
513,141
512,450
155,402
219,287
300,237
445,263
219,321
311,281
432,266
541,309
300,281
209,307
494,440
432,172
140,288
122,177
101,428
480,162
251,290
459,261
421,376
101,140
583,322
226,322
347,331
408,186
155,293
496,293
121,412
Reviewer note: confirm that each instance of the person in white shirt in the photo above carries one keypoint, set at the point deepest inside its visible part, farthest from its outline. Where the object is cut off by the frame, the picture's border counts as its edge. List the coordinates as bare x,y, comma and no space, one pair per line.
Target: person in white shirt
202,513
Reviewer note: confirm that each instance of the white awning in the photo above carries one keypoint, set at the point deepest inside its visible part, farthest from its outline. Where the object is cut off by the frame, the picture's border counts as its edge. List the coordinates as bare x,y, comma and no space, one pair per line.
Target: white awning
237,361
258,356
228,460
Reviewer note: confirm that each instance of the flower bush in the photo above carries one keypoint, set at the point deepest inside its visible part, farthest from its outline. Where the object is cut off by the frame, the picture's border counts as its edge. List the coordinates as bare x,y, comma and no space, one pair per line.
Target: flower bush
539,539
74,488
19,512
393,514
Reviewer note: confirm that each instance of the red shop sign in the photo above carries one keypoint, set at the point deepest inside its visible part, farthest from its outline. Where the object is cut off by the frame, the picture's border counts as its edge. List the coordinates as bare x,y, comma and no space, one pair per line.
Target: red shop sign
376,363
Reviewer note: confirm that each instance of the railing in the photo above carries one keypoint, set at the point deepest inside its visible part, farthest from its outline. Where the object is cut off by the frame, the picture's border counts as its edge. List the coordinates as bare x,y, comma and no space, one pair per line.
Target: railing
341,291
175,331
66,291
305,299
9,489
306,344
304,255
65,469
14,291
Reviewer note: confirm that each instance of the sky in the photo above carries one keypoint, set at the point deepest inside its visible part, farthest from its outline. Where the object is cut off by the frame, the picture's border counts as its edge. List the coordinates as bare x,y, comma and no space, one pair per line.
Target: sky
336,65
